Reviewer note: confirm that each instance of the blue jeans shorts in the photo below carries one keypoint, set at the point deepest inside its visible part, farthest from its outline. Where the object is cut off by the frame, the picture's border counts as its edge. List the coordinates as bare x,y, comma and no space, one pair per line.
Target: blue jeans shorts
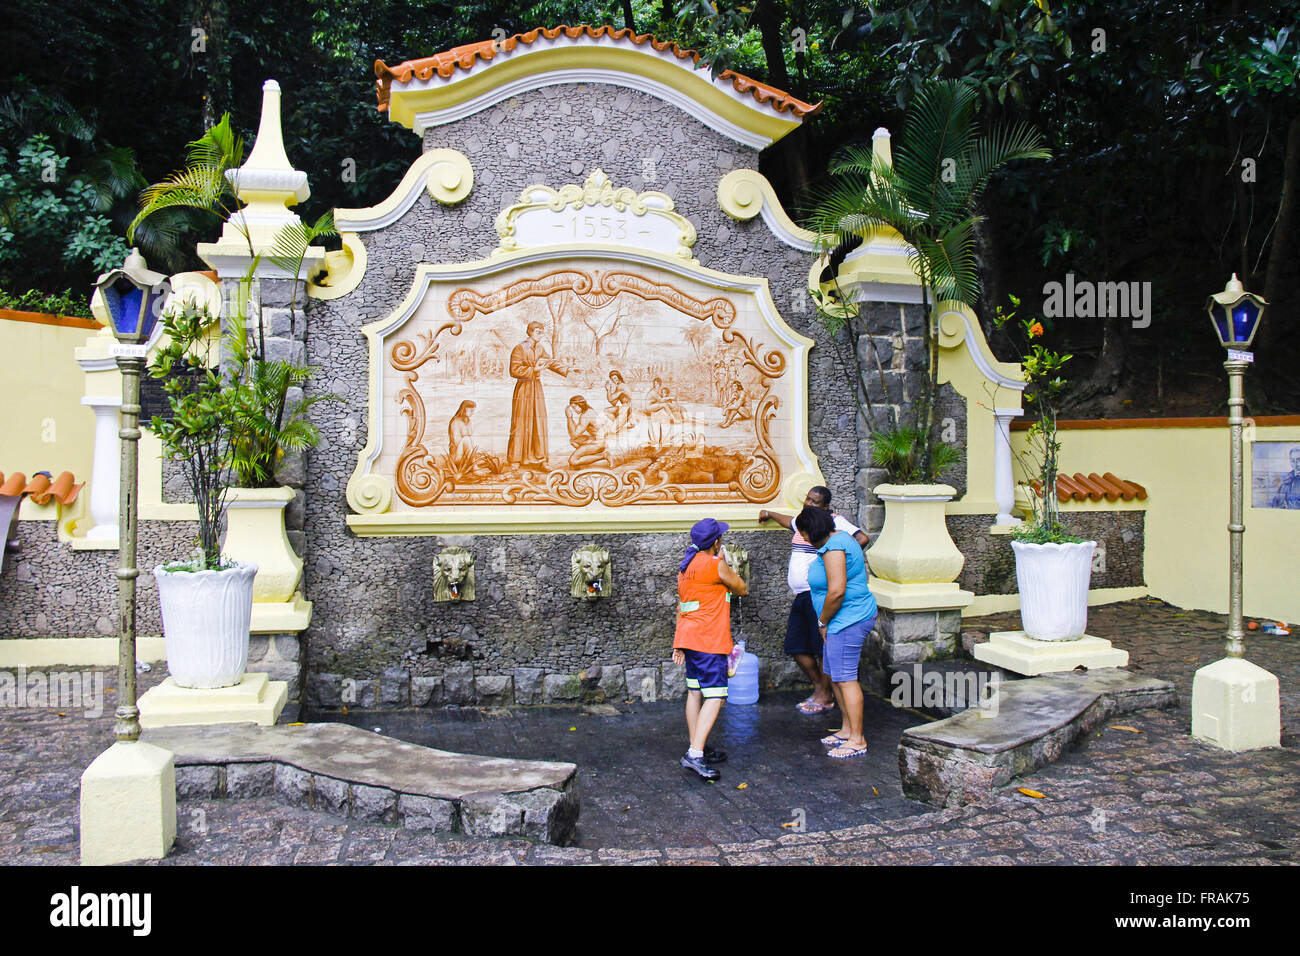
844,650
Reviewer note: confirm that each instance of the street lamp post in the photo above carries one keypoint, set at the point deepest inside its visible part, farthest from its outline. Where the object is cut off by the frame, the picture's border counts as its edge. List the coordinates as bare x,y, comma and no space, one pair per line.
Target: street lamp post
1235,315
133,296
1236,704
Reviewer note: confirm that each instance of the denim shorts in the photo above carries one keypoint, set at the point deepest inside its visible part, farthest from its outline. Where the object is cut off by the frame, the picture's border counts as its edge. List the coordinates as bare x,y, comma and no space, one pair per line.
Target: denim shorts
844,649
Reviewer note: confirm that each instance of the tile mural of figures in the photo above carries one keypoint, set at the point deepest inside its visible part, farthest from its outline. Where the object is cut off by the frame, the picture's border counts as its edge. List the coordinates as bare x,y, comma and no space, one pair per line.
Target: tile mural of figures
528,445
1275,474
626,365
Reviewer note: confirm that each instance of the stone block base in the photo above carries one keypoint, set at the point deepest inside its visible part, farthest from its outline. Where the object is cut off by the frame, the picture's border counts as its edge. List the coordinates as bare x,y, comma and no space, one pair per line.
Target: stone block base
1236,706
907,637
128,805
255,699
1019,653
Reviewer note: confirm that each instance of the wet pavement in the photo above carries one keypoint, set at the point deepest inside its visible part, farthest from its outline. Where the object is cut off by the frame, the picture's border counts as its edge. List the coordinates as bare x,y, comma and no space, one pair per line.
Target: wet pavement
776,771
1139,791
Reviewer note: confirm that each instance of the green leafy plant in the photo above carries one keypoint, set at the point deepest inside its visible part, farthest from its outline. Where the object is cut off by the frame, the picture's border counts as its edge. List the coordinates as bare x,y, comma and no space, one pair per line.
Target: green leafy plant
927,197
34,300
1043,392
50,220
267,425
898,450
199,433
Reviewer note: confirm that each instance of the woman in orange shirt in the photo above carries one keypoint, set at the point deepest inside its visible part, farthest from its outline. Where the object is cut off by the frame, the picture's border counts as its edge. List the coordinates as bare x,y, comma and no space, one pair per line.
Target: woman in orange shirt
705,584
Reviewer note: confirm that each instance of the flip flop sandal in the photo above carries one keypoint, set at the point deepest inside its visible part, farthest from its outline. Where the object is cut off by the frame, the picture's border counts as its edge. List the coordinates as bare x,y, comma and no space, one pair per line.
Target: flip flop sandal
844,752
810,707
834,740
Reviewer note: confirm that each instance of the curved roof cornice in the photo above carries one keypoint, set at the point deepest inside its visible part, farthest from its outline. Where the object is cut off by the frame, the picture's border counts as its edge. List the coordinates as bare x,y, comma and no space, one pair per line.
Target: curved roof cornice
459,82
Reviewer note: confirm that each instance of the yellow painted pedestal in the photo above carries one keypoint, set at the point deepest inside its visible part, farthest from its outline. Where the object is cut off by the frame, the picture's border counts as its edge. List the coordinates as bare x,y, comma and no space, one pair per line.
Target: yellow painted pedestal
128,805
255,699
1018,652
1236,706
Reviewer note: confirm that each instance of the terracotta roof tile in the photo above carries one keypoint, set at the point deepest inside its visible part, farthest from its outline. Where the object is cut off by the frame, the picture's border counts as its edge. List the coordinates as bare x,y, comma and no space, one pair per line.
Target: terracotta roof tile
1094,487
63,489
466,57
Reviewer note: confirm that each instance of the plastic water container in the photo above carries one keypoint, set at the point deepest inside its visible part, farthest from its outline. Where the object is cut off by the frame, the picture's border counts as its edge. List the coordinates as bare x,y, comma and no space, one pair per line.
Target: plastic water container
742,687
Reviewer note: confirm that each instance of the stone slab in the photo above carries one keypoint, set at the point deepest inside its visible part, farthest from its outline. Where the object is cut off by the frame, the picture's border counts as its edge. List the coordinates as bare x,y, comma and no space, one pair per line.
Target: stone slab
360,757
1018,652
960,759
255,699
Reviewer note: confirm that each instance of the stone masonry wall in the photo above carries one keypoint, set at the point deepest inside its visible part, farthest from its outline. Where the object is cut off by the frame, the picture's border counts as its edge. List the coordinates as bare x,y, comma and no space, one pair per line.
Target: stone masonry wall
991,565
893,377
49,590
375,622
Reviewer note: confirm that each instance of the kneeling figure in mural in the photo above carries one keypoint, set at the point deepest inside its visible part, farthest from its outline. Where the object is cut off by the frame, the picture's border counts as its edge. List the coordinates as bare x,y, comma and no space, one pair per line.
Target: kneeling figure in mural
593,575
453,575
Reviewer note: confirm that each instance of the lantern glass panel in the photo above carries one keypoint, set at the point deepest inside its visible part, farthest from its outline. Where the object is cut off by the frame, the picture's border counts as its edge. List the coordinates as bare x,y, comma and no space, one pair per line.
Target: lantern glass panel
1244,316
1219,316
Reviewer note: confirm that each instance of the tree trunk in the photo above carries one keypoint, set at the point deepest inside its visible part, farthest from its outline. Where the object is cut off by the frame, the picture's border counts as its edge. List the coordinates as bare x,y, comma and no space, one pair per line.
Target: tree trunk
1106,375
629,19
1282,232
768,18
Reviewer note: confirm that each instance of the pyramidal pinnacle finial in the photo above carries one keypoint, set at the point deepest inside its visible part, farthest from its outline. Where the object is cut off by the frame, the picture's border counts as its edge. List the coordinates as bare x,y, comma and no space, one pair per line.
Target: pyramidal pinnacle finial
268,150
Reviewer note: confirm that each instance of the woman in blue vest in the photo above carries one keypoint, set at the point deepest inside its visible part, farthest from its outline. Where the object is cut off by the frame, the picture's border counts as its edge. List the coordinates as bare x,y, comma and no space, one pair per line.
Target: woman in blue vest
846,613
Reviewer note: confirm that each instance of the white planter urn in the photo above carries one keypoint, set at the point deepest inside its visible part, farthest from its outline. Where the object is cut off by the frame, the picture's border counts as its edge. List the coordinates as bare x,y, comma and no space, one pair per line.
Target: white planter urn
206,623
914,546
255,533
1053,581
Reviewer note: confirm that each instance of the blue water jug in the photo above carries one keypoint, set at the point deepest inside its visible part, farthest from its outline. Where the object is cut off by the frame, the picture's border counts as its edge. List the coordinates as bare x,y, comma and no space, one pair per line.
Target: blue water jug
742,687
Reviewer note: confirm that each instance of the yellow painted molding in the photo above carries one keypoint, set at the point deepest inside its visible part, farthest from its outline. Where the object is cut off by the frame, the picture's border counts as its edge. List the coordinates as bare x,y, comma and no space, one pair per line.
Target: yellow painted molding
536,201
606,520
446,174
75,651
418,105
1000,603
746,193
344,270
152,506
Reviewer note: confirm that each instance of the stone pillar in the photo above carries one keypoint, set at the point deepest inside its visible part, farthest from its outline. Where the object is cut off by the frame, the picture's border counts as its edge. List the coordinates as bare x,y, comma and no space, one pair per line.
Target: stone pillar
1004,487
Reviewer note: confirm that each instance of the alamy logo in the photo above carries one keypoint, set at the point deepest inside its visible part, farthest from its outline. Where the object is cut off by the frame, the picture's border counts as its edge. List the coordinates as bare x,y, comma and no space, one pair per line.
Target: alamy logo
62,690
74,908
1100,300
954,690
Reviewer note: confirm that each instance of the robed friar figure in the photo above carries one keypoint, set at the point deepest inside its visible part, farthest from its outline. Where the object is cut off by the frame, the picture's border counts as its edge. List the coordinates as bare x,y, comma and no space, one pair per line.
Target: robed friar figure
528,406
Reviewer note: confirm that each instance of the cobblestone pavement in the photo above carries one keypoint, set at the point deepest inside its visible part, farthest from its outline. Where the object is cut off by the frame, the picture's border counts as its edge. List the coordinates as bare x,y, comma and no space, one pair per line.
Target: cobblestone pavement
1140,791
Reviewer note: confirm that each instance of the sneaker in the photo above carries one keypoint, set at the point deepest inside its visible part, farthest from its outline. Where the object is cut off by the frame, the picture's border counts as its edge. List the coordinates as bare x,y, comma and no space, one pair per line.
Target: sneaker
714,756
700,767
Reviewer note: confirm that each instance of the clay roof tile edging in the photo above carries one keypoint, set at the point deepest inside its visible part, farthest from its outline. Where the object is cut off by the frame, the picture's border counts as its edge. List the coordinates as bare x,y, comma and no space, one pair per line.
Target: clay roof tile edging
466,57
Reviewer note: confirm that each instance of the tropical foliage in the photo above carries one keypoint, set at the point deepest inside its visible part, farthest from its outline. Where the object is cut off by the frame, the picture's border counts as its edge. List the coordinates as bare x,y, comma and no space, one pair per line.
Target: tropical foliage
198,435
927,197
1043,391
268,408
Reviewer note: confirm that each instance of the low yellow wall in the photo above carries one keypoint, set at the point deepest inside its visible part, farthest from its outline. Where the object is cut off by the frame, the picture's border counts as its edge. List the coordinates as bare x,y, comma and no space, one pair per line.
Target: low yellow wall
1186,472
46,426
